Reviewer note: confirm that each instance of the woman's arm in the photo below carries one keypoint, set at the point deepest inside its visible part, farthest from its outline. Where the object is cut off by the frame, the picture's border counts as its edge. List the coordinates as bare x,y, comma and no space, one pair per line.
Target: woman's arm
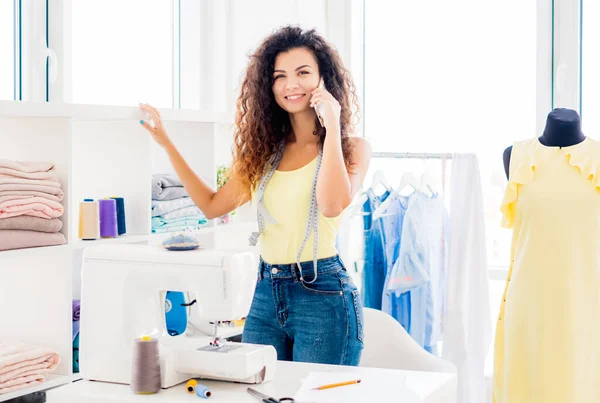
336,185
212,204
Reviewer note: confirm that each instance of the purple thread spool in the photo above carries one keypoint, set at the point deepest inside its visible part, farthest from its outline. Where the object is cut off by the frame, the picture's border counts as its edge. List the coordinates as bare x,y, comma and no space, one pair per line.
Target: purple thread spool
108,218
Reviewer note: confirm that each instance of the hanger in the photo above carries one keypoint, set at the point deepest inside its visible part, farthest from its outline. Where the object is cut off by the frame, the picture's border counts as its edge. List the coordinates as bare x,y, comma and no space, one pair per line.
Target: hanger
425,183
378,179
407,179
356,209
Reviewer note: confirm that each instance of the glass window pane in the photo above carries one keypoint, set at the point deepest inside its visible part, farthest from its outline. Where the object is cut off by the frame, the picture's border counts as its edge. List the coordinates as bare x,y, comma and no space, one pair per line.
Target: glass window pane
438,79
445,76
122,52
590,64
7,50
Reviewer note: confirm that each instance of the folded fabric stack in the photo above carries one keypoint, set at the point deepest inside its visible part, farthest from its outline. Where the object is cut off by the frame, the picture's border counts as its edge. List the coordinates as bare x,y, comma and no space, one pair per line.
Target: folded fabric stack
23,365
172,208
76,316
30,205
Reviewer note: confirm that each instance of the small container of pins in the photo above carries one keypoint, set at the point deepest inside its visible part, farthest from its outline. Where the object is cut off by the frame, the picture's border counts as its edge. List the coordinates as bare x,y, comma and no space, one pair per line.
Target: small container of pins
145,366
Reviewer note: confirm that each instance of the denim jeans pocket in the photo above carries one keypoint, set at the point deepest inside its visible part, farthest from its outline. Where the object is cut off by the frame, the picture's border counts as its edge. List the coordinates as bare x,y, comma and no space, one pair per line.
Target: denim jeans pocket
358,309
345,277
326,284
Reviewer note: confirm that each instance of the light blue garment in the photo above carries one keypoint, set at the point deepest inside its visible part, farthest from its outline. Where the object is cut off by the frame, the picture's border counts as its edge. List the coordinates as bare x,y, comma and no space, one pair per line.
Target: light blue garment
375,266
395,304
421,266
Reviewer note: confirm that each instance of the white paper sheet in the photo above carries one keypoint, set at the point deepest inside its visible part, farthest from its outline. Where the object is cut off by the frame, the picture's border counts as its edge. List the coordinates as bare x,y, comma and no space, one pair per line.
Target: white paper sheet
372,388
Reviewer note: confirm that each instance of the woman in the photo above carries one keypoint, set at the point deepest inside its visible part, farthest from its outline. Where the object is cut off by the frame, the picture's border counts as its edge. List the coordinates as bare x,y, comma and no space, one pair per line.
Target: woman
301,174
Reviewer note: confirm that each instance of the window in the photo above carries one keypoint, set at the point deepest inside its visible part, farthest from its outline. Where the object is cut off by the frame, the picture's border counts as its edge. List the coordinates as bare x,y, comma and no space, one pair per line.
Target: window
122,52
7,50
450,76
455,76
590,64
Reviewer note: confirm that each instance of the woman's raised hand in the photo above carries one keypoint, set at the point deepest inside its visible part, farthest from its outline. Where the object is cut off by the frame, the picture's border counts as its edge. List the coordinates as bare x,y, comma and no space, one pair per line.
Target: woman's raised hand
158,130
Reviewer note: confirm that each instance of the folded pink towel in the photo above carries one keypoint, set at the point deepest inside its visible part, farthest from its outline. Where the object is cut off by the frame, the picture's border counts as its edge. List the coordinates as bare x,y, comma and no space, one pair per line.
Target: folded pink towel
11,180
30,193
26,166
27,187
33,206
22,365
49,175
29,223
13,197
20,239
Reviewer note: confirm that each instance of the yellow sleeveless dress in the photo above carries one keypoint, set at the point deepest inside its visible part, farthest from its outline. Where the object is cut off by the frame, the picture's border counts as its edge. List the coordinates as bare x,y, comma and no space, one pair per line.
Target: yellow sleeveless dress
547,346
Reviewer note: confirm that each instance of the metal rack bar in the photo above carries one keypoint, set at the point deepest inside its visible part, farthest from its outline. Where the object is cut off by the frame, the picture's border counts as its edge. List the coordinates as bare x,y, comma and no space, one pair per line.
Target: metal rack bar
412,155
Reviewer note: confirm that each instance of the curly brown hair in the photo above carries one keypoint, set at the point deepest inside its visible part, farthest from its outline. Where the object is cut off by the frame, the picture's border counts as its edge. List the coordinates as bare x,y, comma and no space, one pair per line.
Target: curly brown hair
261,123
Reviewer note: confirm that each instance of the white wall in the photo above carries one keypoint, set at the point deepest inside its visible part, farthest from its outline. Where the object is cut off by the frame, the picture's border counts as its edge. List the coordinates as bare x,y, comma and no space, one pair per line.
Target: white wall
218,36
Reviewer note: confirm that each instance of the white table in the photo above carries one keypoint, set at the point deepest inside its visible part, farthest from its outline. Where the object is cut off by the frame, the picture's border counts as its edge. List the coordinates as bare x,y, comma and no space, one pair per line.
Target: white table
431,387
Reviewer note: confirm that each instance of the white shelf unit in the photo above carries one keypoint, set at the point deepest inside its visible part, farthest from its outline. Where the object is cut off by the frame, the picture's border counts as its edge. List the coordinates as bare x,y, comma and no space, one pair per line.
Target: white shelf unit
99,152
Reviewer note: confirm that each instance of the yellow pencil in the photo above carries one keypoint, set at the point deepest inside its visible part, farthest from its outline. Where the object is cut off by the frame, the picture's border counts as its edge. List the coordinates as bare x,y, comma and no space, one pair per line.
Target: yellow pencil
335,385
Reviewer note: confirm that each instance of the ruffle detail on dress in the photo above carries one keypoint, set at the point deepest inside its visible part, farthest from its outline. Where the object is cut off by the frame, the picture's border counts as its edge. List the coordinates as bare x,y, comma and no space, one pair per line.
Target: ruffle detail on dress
582,156
520,176
582,159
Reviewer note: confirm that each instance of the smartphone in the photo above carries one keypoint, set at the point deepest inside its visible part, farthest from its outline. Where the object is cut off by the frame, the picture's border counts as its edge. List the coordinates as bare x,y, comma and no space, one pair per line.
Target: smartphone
318,106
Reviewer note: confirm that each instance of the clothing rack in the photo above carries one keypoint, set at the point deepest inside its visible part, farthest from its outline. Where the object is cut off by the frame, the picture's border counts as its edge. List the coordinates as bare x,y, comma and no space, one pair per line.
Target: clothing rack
422,156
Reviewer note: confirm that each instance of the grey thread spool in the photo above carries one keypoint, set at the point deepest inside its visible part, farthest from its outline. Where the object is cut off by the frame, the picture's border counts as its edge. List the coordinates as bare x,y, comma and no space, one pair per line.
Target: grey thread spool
145,368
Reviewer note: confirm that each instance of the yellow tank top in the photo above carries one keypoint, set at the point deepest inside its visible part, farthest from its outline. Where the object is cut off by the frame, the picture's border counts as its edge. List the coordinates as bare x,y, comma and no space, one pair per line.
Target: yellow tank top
287,199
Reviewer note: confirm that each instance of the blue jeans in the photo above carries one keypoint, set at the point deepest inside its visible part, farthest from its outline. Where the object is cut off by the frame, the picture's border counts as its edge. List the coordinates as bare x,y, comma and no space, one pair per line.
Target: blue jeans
320,322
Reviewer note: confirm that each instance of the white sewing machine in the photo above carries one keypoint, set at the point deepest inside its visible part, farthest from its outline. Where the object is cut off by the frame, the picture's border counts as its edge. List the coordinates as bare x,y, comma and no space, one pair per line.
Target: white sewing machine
123,298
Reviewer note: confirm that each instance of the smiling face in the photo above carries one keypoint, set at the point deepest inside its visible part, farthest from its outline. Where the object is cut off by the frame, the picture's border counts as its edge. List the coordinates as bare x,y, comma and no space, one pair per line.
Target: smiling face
296,75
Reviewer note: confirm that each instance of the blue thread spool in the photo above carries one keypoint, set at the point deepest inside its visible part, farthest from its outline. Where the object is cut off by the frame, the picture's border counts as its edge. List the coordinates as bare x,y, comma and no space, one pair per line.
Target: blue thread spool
203,391
120,215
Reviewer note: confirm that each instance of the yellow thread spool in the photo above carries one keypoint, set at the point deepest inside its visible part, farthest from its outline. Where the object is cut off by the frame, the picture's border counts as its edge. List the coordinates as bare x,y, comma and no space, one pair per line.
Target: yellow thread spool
89,219
191,385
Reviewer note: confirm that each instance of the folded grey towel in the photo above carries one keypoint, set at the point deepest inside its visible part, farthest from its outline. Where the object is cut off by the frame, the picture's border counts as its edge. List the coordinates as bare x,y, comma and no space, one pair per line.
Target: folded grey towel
167,187
160,207
29,223
170,194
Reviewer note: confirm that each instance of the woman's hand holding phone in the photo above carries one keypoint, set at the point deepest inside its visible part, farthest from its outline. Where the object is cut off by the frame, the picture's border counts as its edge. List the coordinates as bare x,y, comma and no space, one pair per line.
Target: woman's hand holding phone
328,109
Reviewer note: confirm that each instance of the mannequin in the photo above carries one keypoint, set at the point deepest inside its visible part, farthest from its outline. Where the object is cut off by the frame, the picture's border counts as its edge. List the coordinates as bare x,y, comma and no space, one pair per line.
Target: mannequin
563,129
551,203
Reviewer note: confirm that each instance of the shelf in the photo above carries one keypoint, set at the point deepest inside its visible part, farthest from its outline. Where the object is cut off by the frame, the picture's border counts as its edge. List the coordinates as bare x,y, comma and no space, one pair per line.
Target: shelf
232,233
35,252
51,381
126,238
19,109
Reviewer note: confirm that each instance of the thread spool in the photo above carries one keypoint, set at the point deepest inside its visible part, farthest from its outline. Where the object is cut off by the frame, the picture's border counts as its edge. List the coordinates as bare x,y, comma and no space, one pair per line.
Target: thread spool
191,385
108,218
89,220
145,369
203,391
121,227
